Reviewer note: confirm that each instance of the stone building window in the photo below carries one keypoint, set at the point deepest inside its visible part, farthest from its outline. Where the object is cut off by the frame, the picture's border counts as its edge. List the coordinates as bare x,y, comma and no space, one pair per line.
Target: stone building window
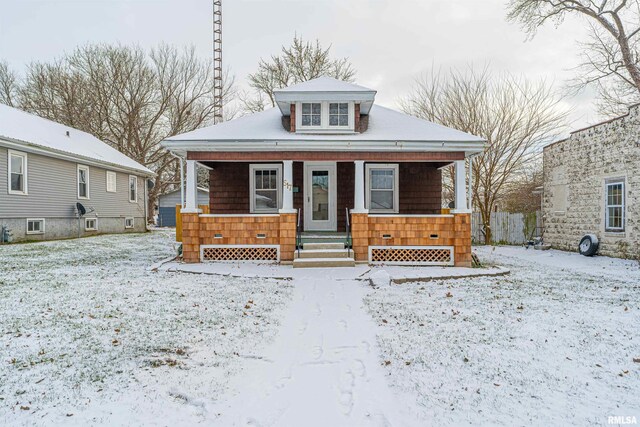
614,205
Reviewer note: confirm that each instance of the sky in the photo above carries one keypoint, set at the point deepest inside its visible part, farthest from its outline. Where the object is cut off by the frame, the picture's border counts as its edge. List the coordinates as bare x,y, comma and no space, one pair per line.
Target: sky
389,42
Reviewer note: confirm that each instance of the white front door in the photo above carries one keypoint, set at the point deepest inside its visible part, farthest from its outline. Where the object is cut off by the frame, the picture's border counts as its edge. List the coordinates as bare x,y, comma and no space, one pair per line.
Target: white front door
320,196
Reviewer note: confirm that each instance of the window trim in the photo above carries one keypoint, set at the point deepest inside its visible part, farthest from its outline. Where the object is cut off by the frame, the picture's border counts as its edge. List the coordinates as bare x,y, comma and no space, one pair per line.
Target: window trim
321,115
252,184
86,228
135,199
25,173
132,222
42,229
78,169
396,187
115,181
610,183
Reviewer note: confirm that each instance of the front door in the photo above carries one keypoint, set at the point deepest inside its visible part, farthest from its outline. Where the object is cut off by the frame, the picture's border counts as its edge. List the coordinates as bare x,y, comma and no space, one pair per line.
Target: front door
320,197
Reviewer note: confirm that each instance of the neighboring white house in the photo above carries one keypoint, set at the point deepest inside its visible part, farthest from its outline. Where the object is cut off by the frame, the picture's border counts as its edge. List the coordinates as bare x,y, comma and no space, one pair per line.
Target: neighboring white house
592,186
167,205
47,168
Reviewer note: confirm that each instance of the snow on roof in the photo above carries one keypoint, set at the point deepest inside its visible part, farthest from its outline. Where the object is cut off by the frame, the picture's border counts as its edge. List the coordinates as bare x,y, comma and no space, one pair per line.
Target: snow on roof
27,129
325,84
385,124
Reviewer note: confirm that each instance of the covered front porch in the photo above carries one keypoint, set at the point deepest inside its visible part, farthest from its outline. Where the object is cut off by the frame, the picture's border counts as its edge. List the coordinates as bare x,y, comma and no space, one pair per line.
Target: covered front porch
387,206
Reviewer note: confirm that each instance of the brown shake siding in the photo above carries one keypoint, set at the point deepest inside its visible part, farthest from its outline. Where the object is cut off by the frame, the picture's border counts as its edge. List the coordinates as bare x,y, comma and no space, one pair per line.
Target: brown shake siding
229,188
420,189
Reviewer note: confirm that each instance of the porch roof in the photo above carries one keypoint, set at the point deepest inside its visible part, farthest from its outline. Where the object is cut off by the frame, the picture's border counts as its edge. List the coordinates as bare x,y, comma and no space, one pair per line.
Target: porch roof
388,130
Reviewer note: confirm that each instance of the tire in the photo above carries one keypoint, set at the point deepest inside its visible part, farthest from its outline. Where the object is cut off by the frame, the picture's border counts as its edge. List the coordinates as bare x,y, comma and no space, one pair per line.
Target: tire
588,245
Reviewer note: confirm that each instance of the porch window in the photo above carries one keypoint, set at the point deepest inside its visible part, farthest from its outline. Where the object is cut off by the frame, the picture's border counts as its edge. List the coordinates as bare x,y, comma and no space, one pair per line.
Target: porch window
382,188
83,182
133,188
17,173
266,185
339,114
311,114
614,205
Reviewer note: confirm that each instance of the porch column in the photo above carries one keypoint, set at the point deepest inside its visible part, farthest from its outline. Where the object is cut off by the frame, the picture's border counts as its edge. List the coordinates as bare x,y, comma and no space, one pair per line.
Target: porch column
460,186
358,202
470,188
192,188
287,187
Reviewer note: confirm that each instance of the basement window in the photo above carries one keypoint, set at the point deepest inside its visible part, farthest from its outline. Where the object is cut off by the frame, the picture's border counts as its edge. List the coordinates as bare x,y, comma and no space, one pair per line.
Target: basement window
91,224
128,222
614,205
35,226
266,187
382,188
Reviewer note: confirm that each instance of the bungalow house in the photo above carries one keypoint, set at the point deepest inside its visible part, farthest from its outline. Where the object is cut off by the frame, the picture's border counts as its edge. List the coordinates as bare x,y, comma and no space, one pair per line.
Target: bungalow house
324,168
50,173
591,188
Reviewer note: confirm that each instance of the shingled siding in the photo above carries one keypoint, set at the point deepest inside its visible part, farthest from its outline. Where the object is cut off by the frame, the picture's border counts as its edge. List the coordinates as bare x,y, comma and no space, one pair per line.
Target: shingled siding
229,188
575,171
420,189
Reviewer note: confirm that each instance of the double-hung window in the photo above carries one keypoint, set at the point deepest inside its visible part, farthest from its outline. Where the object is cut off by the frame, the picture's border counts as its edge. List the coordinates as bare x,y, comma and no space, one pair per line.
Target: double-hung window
339,114
614,205
111,182
83,182
17,173
133,188
266,185
311,114
382,188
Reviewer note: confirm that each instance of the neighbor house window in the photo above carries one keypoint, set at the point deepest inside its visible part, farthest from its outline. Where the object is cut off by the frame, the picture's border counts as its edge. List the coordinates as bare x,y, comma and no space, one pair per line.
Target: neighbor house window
339,114
91,224
265,187
382,188
35,226
111,182
311,114
128,223
17,173
614,205
133,188
83,182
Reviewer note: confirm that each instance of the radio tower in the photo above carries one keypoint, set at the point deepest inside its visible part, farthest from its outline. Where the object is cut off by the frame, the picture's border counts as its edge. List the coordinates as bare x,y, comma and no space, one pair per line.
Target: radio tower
217,61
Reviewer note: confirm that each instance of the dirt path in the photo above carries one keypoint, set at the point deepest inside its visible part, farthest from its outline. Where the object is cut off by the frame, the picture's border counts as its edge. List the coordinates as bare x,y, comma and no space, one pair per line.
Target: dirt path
323,369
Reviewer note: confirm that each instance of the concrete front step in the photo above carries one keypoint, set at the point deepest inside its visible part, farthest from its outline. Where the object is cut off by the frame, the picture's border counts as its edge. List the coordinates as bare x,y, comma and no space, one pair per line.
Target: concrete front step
324,253
323,262
322,246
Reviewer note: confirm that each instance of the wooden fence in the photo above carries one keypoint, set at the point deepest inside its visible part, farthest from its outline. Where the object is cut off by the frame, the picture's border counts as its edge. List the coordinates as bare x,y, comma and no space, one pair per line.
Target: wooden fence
507,228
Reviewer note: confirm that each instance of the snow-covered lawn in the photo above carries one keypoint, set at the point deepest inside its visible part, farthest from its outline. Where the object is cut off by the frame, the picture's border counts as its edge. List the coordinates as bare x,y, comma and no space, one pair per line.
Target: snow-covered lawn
89,335
551,344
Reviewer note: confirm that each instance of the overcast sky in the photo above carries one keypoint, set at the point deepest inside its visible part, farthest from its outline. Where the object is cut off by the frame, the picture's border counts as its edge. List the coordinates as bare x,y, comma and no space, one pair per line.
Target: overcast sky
389,42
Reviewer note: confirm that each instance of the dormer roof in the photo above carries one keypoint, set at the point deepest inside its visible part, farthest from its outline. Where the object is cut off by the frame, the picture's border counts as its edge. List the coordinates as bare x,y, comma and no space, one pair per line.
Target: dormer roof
324,89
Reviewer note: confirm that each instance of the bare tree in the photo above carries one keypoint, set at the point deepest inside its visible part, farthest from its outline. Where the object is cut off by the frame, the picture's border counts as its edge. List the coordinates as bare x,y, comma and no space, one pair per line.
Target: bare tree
8,85
299,62
611,59
128,98
513,114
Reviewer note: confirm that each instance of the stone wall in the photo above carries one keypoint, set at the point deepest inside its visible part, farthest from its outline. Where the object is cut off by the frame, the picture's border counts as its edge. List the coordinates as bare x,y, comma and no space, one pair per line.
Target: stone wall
575,171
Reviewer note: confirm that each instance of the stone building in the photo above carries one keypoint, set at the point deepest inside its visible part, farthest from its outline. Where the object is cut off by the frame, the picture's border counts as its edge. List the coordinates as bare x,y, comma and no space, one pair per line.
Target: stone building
592,185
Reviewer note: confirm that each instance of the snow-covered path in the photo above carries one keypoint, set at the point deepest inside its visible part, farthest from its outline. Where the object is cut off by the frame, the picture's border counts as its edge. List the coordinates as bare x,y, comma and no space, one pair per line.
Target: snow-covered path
323,369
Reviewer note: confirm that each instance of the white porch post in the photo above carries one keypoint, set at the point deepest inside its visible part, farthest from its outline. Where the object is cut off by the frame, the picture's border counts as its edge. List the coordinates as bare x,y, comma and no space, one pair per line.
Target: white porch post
192,188
470,188
358,202
460,187
287,187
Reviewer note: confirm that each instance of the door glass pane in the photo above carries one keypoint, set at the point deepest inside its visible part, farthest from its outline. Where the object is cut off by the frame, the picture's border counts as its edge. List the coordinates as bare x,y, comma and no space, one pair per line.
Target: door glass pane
320,195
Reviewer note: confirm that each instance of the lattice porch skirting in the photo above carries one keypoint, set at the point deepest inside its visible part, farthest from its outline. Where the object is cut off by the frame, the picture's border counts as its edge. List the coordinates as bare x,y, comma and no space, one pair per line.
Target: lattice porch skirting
239,253
411,255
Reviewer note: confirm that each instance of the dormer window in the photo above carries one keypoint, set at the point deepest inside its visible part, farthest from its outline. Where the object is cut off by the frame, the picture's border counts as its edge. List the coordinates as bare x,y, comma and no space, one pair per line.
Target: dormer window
311,114
339,114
